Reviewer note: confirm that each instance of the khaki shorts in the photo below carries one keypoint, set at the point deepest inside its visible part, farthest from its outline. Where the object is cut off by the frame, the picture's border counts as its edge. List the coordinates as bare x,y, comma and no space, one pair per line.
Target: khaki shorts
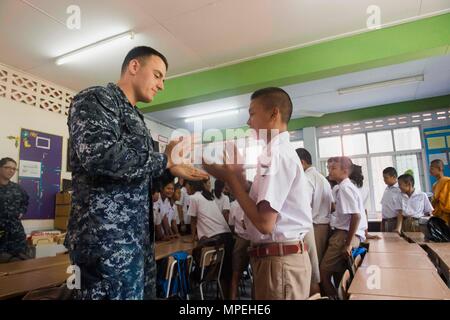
240,259
410,224
312,252
321,234
281,277
388,225
334,260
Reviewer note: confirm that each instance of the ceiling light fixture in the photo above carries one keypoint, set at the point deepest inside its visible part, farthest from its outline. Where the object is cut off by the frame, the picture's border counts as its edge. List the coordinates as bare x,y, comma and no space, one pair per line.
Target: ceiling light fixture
382,84
212,115
89,48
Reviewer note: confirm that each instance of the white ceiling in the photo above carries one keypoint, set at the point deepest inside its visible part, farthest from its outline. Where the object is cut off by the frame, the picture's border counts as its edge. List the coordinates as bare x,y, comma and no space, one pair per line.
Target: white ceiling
321,96
193,34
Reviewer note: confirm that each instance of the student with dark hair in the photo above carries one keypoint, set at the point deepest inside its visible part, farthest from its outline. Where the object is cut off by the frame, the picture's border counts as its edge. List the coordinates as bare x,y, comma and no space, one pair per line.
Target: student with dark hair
167,209
321,199
390,196
209,226
411,206
277,210
222,201
348,226
358,180
13,205
113,163
441,191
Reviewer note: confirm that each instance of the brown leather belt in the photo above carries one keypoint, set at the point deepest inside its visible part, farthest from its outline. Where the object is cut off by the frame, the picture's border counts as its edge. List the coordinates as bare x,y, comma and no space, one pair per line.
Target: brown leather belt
277,249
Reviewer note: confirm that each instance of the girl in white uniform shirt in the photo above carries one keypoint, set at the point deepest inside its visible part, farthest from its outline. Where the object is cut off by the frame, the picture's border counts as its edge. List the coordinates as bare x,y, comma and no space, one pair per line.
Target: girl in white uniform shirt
167,209
209,226
183,206
358,180
411,205
222,201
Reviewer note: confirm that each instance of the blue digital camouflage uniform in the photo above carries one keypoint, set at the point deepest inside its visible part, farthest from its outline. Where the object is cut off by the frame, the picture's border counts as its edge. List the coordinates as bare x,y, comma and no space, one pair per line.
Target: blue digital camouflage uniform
13,203
110,233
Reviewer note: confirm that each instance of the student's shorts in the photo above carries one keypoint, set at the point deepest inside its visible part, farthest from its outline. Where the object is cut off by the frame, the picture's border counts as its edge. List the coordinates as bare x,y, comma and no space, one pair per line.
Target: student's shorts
281,277
388,225
334,260
321,234
312,252
240,255
410,224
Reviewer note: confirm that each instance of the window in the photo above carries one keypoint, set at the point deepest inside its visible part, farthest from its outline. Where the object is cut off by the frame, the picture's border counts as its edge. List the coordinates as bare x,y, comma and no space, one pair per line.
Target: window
330,147
298,144
409,163
354,144
407,139
378,165
380,141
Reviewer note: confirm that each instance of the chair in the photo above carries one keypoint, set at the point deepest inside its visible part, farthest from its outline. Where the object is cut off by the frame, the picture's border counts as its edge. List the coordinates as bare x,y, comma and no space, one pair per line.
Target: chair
343,286
211,267
181,277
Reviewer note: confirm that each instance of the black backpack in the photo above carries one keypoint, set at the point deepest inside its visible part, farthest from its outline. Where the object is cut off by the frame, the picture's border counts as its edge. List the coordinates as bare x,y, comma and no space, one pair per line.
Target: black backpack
438,230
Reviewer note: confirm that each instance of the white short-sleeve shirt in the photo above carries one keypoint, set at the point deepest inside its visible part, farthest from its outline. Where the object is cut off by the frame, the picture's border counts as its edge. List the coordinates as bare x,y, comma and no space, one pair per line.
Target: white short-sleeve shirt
281,181
321,196
236,219
349,201
210,220
415,206
184,203
388,206
223,203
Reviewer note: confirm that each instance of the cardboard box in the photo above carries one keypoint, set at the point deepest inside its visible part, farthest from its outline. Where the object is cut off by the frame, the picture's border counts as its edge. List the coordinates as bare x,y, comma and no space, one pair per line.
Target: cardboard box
62,210
61,223
63,198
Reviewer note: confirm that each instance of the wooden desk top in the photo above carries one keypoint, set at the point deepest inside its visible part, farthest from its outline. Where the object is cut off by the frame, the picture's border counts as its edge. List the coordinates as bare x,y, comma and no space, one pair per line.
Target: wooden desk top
33,264
20,284
398,260
417,237
386,235
396,246
407,283
166,248
439,247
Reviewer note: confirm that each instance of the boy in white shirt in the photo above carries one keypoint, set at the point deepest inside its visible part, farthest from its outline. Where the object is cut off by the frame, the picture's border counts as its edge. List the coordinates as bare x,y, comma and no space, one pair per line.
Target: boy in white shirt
411,205
390,196
349,224
209,227
321,200
277,210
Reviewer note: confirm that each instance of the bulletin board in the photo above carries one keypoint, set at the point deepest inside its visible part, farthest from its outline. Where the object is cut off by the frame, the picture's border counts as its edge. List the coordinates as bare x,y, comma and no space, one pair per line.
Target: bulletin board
437,146
40,171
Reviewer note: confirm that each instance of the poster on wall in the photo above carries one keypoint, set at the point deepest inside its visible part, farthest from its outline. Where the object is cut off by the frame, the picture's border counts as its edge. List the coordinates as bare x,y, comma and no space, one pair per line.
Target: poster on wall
437,146
40,171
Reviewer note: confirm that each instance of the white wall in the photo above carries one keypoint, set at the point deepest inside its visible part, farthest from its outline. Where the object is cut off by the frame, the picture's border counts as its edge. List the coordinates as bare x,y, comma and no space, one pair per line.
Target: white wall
14,117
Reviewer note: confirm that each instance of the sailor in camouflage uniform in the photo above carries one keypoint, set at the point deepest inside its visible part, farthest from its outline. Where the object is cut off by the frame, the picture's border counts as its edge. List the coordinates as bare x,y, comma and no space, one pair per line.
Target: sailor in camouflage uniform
13,205
110,231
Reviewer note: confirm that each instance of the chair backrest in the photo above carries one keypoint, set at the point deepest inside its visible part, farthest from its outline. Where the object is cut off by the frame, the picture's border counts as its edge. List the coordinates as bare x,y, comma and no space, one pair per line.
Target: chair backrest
212,258
343,286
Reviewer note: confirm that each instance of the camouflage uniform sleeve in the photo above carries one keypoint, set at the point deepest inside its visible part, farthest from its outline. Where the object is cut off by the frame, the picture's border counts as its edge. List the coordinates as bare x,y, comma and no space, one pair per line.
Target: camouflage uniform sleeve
94,126
24,201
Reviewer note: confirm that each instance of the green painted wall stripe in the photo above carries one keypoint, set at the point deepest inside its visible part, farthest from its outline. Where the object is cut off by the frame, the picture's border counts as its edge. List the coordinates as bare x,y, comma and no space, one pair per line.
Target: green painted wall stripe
393,45
372,112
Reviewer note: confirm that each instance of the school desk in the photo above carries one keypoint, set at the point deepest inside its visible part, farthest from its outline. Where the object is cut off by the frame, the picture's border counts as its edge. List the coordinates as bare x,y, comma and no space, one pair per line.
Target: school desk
406,283
398,260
